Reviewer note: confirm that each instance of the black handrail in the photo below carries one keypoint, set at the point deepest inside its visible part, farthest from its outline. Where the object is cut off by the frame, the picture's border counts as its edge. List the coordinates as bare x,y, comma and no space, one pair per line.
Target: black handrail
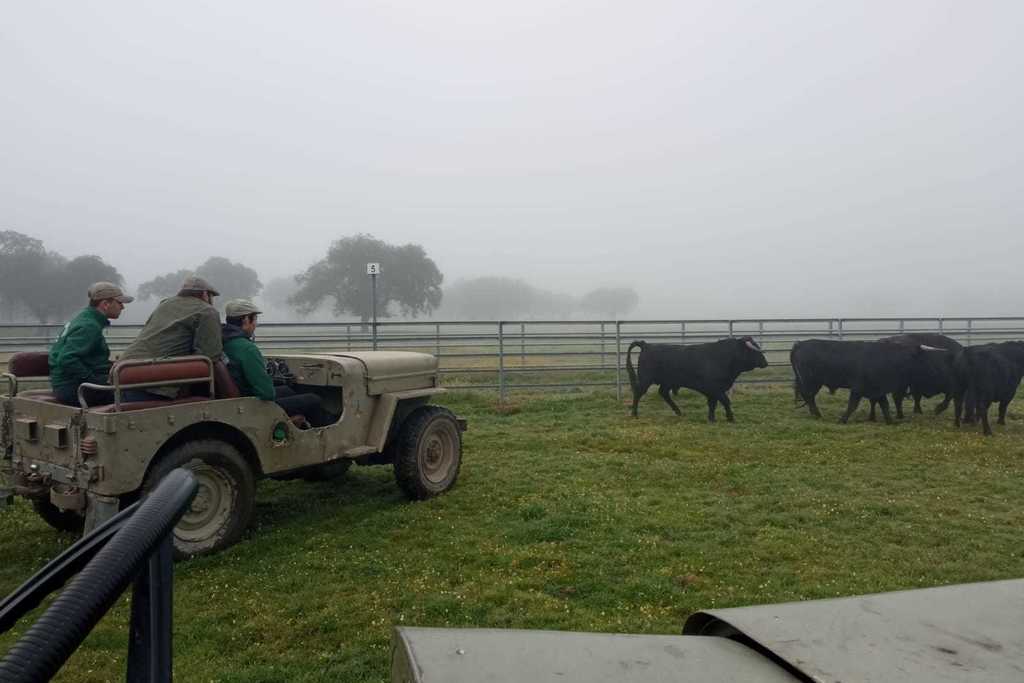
134,544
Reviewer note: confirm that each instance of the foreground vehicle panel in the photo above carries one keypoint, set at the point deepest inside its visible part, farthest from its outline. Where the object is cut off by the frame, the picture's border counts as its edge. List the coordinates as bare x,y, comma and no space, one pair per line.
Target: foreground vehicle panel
964,633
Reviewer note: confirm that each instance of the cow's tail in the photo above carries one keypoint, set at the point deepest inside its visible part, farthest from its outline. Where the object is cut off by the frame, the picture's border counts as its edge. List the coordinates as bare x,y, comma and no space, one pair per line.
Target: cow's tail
797,380
633,383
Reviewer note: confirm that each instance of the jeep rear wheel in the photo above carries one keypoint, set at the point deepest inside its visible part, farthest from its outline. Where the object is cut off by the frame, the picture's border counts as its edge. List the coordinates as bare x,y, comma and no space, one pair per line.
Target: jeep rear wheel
428,453
223,506
61,520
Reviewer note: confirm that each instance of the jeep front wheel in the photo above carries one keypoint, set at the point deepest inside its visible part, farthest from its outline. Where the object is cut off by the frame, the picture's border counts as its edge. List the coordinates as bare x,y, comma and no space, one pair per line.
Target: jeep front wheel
428,453
223,506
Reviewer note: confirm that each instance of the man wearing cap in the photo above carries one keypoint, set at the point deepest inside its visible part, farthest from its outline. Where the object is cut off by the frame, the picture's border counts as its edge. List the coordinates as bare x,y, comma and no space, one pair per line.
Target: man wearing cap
249,369
80,353
182,325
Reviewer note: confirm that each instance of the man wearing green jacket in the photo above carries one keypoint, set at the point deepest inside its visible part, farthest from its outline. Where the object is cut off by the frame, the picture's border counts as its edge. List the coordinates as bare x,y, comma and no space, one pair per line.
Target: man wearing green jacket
249,369
80,353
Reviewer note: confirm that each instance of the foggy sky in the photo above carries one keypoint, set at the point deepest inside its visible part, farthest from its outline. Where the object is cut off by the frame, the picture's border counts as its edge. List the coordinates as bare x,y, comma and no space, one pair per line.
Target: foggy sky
723,158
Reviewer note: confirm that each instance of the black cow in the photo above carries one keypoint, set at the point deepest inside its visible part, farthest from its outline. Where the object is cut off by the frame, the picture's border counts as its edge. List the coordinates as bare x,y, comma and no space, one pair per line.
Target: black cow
868,369
938,376
708,368
989,373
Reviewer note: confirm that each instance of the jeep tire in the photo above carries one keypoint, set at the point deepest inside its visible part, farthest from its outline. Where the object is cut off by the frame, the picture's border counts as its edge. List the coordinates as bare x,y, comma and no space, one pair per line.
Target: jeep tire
428,453
223,506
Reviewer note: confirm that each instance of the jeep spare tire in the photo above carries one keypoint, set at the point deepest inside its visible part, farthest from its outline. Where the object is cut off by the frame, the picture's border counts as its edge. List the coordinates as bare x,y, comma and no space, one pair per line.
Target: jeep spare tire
428,453
223,506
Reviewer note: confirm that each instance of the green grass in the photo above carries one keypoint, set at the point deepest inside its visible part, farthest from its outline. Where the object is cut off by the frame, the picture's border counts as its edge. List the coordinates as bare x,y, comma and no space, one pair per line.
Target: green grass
569,514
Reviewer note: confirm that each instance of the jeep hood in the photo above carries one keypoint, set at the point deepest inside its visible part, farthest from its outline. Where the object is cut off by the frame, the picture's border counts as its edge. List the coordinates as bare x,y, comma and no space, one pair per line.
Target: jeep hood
395,370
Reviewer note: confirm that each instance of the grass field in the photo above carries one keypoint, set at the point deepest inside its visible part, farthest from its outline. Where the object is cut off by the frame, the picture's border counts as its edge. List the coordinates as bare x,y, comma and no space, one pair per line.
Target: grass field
568,514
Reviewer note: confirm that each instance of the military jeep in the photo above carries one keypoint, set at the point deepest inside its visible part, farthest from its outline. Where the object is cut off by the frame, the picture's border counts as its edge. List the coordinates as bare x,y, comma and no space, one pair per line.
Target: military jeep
78,465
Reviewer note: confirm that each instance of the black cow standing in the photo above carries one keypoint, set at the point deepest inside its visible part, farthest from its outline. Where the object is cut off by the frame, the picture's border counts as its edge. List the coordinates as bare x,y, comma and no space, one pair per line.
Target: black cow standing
937,377
868,369
989,373
708,368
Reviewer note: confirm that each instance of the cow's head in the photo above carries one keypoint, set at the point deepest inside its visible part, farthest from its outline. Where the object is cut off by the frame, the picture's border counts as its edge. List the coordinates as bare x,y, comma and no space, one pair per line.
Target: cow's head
751,354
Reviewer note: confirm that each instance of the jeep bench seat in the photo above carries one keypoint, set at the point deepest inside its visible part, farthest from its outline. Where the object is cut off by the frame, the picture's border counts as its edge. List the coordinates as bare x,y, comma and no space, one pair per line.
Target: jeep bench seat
184,371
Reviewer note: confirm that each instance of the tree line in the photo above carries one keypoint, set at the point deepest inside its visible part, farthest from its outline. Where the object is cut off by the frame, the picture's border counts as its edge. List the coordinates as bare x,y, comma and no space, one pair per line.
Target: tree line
39,285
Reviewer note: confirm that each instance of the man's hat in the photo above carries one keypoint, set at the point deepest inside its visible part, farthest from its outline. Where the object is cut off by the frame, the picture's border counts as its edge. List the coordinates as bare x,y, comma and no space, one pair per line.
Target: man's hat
237,308
108,290
194,283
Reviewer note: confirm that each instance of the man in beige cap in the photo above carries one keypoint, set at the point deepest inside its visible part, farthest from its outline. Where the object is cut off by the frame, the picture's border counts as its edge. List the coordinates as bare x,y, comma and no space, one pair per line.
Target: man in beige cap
80,353
249,369
182,325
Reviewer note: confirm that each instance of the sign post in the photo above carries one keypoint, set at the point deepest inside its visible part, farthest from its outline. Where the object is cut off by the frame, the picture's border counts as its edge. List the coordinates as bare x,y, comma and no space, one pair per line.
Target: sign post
373,270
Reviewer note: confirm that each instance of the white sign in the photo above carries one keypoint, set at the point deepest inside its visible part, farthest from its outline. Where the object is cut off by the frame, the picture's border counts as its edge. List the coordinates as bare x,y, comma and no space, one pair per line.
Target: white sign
373,269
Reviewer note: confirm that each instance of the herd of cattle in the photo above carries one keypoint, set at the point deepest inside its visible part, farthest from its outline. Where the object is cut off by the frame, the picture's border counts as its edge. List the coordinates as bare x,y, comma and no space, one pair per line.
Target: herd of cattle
917,365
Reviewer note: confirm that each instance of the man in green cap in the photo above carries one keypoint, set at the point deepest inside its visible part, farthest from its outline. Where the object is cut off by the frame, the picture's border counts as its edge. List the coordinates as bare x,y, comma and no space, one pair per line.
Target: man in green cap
80,353
249,369
182,325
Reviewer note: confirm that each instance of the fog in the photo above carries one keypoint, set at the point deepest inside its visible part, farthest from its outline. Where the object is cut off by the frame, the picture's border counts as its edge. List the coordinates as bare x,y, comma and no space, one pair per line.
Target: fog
721,158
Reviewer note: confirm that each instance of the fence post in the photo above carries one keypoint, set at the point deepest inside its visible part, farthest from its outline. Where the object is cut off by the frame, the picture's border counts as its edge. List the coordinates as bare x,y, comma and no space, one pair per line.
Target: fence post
348,336
618,359
501,363
840,327
942,327
760,333
437,339
682,333
901,325
604,363
730,328
522,343
969,326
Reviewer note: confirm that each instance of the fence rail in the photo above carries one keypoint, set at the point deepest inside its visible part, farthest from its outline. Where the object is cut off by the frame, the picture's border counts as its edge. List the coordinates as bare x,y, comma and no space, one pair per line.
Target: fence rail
558,354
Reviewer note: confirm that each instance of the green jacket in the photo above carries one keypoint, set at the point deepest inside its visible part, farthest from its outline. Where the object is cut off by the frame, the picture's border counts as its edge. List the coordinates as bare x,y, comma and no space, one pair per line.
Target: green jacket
80,353
246,364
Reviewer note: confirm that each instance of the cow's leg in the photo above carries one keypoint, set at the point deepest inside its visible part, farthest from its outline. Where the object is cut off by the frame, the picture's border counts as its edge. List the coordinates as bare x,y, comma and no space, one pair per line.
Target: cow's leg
809,397
981,412
884,403
871,413
638,393
666,393
851,406
712,404
727,404
958,409
1002,412
897,398
945,404
917,404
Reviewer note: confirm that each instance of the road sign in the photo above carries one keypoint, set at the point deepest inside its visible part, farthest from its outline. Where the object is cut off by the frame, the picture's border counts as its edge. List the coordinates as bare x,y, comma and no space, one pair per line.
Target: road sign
373,269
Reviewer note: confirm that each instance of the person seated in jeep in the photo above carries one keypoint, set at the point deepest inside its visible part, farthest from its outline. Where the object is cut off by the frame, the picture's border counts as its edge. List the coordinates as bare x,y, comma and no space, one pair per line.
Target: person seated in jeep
249,369
181,325
80,353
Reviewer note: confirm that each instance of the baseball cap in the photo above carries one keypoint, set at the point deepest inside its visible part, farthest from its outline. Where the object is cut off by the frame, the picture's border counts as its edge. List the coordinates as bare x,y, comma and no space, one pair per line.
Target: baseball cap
99,291
194,283
236,308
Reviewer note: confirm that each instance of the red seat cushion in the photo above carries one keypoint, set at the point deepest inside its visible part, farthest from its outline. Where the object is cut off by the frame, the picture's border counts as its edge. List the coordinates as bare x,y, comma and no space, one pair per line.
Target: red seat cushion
29,364
157,371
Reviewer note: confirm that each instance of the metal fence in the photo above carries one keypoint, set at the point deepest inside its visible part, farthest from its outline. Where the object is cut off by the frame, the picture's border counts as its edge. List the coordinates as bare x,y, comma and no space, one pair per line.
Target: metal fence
548,354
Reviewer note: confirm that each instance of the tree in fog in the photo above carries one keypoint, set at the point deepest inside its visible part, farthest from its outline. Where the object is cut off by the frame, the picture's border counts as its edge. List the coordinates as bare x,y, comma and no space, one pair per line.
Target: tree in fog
612,302
409,280
490,298
22,259
44,284
232,280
